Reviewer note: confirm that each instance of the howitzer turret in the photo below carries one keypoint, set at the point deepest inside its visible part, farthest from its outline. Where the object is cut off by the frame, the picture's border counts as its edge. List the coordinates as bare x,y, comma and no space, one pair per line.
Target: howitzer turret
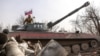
40,27
50,24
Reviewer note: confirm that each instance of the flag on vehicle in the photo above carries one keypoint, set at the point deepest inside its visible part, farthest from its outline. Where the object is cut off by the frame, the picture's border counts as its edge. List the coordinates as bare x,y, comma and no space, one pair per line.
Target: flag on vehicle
28,12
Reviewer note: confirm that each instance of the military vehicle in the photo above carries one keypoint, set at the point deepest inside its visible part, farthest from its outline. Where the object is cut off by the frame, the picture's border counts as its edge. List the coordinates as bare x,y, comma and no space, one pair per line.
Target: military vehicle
73,42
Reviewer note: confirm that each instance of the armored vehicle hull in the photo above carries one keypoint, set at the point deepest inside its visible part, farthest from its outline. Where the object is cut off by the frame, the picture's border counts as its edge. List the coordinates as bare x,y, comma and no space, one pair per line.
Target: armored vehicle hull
73,42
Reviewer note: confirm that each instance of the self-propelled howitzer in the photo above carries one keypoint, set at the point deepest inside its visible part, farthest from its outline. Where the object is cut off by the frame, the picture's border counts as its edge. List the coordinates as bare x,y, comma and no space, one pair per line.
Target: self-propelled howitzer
73,42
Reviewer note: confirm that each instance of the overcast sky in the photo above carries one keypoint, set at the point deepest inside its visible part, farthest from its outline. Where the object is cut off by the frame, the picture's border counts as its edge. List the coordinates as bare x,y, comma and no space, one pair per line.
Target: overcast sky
43,10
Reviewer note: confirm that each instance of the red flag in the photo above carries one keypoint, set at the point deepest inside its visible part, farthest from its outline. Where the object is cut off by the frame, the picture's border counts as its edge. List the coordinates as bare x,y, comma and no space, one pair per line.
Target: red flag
28,12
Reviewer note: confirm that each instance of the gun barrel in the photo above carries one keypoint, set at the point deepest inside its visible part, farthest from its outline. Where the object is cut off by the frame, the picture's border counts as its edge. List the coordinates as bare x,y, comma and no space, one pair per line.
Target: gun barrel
50,24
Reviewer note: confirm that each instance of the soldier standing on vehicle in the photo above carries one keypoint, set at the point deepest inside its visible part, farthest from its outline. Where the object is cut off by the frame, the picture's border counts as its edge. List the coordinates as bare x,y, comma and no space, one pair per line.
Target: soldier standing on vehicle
28,20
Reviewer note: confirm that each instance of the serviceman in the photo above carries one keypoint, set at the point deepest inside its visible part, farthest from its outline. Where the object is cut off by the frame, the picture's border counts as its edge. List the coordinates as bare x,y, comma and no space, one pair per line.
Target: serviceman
28,20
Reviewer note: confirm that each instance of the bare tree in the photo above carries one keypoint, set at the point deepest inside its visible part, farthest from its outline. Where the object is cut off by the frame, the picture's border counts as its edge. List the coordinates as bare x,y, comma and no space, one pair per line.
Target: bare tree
90,20
8,27
77,24
20,20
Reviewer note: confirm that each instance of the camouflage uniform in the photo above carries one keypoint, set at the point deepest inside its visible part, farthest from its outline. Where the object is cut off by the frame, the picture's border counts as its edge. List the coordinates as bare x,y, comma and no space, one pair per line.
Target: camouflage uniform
28,20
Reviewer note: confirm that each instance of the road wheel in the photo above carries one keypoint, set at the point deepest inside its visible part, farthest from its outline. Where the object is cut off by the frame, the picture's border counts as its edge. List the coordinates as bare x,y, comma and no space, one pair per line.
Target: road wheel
68,49
85,46
76,49
94,43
